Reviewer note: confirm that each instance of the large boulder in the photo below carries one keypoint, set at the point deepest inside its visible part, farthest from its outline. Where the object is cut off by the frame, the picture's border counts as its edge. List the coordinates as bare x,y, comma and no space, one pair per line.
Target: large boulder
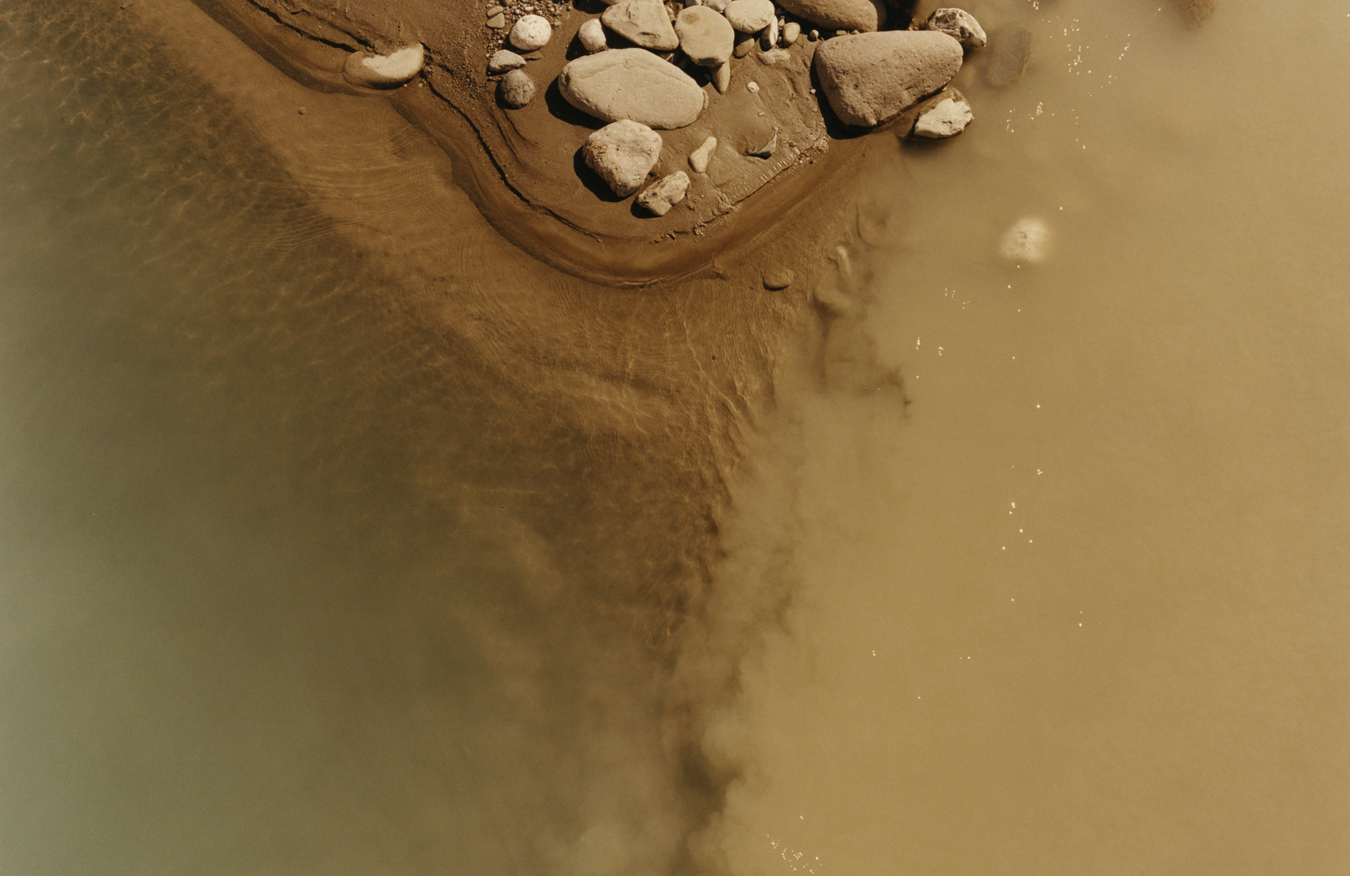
622,153
870,78
859,15
644,23
705,36
632,84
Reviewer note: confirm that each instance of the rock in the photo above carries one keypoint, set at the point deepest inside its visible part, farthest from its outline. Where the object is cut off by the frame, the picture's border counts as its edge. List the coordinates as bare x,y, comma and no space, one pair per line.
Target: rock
705,36
860,15
504,60
384,71
717,5
495,10
644,23
699,158
1027,241
515,89
1009,52
632,84
622,153
791,31
943,116
497,22
1196,11
870,78
774,57
778,277
769,37
592,36
767,150
743,47
749,16
722,78
665,193
960,25
530,33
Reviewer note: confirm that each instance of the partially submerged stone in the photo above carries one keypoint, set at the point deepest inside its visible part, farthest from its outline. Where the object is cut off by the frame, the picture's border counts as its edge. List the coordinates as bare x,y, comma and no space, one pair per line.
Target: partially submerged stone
870,78
622,154
644,23
960,25
665,193
860,15
943,116
632,84
1027,241
384,71
706,37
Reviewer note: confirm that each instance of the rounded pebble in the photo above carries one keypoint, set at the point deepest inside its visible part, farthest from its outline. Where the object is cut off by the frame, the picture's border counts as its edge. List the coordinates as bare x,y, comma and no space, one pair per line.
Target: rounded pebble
592,36
516,89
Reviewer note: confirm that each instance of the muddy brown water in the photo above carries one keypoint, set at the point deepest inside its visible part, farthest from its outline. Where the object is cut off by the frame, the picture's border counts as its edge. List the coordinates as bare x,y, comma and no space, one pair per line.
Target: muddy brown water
340,537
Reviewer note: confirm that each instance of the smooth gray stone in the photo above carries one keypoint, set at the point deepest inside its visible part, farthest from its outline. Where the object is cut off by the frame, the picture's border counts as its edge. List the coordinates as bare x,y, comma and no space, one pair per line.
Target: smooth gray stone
516,89
860,15
632,84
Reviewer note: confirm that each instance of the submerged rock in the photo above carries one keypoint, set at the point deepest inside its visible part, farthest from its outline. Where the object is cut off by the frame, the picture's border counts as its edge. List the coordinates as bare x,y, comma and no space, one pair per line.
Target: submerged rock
632,84
622,154
665,193
705,36
1009,52
943,116
870,78
1027,241
960,25
860,15
384,71
643,23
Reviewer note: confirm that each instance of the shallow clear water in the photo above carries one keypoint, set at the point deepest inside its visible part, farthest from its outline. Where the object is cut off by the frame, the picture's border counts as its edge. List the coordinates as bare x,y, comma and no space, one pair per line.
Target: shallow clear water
290,584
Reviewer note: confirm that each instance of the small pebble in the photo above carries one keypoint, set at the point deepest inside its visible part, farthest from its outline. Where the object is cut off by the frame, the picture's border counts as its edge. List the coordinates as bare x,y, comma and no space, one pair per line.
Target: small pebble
495,10
699,158
752,87
503,61
791,31
743,47
497,21
778,278
814,35
592,36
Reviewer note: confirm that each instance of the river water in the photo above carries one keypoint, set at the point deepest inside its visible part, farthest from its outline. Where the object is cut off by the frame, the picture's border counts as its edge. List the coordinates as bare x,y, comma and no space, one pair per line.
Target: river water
290,586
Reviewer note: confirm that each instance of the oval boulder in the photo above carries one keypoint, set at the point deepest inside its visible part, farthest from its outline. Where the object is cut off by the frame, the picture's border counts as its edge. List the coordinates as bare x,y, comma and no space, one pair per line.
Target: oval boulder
632,84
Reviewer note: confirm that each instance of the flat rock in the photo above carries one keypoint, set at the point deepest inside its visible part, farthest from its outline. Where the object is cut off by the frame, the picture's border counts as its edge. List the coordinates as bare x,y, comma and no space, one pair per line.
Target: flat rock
622,153
504,60
530,33
749,16
515,89
960,25
632,84
644,23
943,116
1009,52
870,78
705,36
384,71
859,15
665,193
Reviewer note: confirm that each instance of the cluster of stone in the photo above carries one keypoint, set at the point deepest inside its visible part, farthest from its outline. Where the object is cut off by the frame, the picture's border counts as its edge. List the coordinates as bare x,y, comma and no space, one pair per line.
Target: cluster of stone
868,75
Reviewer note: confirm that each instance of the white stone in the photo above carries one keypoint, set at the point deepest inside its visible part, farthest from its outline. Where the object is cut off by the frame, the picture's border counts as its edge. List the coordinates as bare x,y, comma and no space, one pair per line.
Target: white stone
960,25
699,158
384,71
870,78
622,153
946,118
592,36
722,78
791,31
665,193
1027,241
531,33
706,37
